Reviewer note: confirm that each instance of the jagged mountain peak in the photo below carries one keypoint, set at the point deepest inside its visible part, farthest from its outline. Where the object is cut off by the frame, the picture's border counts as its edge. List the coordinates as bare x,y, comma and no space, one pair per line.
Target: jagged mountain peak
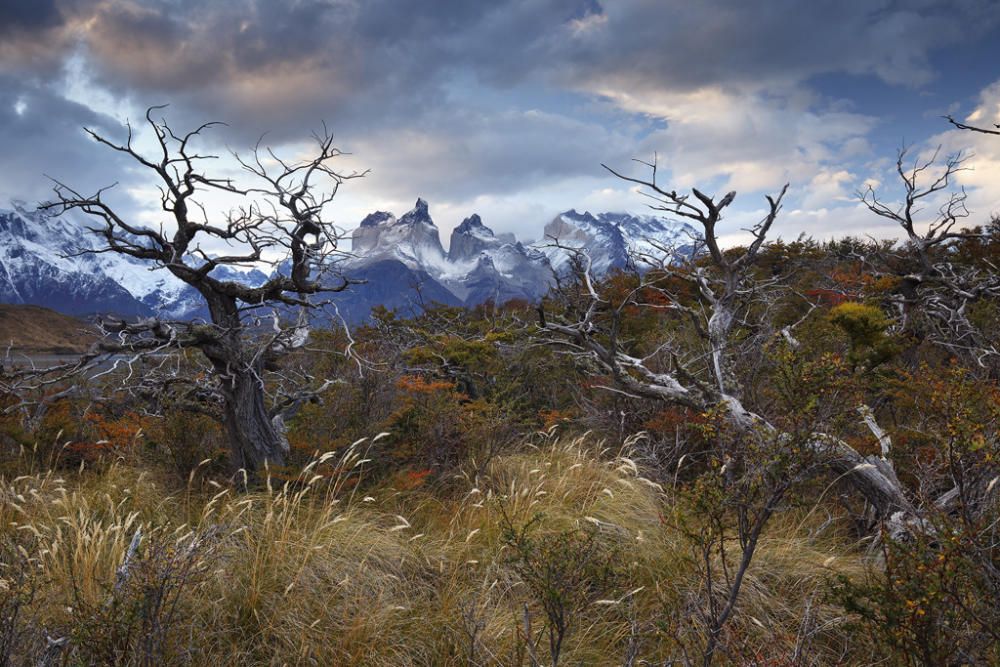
412,239
378,218
611,240
482,265
46,260
41,263
470,239
574,214
419,213
473,222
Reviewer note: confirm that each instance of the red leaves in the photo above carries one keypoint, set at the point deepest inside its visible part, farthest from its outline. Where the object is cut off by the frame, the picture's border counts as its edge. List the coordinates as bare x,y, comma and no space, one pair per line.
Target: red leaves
418,384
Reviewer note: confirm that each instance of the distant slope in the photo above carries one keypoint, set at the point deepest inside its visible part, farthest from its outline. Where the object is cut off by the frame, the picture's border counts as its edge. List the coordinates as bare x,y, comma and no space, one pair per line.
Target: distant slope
49,260
394,285
38,330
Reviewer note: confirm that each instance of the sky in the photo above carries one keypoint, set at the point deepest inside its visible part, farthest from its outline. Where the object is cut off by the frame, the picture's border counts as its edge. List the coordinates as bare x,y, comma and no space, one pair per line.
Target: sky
507,108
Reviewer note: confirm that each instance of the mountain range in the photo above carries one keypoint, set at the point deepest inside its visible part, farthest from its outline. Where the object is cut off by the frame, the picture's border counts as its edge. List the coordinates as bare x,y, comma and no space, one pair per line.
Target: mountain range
43,261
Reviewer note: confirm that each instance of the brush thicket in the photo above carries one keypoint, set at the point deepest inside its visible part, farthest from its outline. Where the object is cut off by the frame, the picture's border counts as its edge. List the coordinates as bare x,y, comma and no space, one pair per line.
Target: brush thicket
324,570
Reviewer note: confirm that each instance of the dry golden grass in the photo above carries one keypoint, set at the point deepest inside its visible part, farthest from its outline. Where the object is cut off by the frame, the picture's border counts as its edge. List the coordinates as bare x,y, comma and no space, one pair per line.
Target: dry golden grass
312,573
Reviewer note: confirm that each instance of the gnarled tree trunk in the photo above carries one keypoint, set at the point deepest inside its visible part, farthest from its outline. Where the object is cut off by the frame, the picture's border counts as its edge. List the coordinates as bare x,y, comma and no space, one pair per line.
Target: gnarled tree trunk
254,438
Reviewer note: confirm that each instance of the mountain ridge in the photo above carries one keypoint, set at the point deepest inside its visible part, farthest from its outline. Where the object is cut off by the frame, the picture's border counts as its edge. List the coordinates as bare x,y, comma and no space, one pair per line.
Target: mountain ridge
50,261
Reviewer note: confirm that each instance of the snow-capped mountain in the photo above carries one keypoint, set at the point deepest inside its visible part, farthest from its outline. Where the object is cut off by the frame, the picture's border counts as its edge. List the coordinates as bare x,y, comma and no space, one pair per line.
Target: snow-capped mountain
613,240
402,261
478,266
494,267
412,239
43,261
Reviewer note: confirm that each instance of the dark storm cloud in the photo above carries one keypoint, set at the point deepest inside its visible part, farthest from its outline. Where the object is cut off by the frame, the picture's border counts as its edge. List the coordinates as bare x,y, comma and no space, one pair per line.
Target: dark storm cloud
720,42
368,68
268,60
274,61
277,65
455,98
33,37
280,64
41,134
32,15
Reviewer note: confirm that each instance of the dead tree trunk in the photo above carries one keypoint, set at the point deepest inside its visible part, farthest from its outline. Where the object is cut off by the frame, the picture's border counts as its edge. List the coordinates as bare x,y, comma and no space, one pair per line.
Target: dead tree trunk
254,441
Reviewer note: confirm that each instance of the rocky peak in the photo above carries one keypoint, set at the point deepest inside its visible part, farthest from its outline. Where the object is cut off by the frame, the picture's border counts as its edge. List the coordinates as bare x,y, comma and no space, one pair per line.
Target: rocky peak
473,224
377,218
365,238
12,224
470,238
611,240
419,213
412,239
578,229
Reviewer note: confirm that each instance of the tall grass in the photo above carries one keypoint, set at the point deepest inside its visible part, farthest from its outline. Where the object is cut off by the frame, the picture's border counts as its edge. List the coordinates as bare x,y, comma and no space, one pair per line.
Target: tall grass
320,570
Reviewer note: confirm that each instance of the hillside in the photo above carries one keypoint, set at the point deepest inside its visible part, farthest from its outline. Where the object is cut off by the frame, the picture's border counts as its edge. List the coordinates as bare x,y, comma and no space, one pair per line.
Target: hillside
38,330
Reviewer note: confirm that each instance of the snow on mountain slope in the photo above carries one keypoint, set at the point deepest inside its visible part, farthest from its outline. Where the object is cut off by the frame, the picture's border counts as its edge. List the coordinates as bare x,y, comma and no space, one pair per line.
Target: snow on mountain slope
412,239
478,266
612,240
43,261
481,266
469,239
494,267
36,267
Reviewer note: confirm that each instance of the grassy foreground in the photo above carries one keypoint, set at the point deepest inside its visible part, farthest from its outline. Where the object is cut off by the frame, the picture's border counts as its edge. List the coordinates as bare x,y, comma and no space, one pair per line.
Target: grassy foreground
469,571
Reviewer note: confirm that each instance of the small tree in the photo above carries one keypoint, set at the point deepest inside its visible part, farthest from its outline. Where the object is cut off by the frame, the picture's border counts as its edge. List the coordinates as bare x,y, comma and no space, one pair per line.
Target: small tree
280,222
934,288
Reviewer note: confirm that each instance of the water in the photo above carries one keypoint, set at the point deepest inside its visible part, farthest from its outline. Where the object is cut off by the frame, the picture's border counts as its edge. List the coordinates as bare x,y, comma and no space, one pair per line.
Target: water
44,360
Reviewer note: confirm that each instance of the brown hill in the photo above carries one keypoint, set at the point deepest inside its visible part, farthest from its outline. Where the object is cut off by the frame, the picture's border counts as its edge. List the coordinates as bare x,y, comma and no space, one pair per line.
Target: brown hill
38,330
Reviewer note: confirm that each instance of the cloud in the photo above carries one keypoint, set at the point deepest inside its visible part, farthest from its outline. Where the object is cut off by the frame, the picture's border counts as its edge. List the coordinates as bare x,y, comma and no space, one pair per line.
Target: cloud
685,46
981,177
748,142
978,177
42,134
16,17
508,106
281,65
470,153
267,62
34,37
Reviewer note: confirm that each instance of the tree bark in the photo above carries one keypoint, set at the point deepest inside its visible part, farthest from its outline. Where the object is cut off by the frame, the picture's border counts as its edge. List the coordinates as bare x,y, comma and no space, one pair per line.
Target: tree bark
254,439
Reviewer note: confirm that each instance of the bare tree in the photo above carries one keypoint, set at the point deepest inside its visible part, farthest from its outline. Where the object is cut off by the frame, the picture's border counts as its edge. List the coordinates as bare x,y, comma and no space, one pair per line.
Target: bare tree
726,287
937,287
280,222
727,303
975,128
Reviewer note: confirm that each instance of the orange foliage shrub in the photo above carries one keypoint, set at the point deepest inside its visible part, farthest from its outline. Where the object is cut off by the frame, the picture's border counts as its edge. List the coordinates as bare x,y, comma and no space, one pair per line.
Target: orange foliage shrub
417,384
105,436
551,418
